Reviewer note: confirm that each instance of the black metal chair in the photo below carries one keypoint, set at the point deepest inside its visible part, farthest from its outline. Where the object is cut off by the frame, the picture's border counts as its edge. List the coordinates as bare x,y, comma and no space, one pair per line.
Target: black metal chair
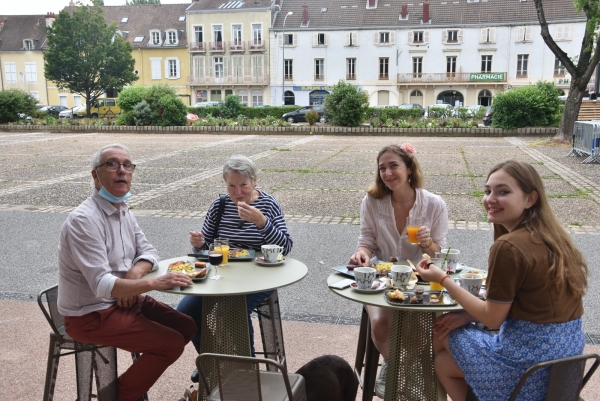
367,357
269,318
566,380
90,359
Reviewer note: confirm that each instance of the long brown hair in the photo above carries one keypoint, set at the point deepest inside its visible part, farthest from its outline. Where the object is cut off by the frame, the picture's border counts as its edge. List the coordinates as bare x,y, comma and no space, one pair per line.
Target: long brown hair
567,266
378,190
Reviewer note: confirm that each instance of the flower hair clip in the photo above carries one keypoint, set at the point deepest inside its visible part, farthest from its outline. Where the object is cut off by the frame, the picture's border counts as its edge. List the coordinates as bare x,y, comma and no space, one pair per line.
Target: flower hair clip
408,149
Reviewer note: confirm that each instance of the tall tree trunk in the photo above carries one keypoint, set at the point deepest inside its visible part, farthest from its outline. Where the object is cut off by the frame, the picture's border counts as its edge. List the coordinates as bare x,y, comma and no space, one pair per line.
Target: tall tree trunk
571,112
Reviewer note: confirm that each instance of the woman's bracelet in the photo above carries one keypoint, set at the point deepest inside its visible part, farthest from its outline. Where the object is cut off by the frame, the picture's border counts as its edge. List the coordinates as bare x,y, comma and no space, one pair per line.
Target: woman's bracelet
428,245
442,280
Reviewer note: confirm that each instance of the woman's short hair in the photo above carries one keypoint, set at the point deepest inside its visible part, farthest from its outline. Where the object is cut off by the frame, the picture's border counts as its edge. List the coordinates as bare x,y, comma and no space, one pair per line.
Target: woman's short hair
242,165
97,157
378,190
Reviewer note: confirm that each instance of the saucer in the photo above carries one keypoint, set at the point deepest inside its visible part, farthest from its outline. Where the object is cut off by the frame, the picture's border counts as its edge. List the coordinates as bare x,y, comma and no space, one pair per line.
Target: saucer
382,287
261,261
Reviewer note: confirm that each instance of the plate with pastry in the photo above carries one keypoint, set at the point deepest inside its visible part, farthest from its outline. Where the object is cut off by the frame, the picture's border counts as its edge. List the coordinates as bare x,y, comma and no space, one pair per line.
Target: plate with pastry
196,272
377,286
418,298
235,254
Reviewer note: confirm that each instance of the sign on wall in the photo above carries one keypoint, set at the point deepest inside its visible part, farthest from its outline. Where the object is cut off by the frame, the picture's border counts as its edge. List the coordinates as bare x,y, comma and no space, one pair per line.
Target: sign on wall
487,76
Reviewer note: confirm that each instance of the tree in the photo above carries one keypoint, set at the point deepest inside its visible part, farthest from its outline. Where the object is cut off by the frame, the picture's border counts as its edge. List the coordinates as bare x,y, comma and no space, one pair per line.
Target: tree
232,106
14,102
346,105
134,2
582,68
87,56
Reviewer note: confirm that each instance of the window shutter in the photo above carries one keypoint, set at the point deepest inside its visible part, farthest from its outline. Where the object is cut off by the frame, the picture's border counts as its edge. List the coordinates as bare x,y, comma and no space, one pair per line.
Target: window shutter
315,39
558,34
520,34
392,37
156,73
376,38
493,35
355,38
444,36
483,35
461,36
425,36
411,37
166,68
567,32
348,35
528,34
325,39
178,68
295,39
225,66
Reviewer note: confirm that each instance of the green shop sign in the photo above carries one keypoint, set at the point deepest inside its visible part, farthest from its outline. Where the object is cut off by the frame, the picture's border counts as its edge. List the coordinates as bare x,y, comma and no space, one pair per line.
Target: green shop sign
487,76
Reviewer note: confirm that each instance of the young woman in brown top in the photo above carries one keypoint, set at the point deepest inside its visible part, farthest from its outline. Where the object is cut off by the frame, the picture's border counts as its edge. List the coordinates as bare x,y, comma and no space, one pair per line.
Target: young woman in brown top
535,284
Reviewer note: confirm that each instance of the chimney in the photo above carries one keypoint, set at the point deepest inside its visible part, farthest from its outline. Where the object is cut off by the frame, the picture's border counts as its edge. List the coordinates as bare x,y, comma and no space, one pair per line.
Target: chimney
372,4
426,12
404,11
50,17
304,14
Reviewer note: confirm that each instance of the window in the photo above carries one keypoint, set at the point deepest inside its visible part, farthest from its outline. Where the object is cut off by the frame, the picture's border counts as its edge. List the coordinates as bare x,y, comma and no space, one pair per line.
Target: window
559,68
384,65
288,69
350,68
181,18
138,39
30,73
172,37
198,36
219,67
417,66
218,35
124,20
172,68
28,44
319,69
215,95
487,35
236,32
62,100
237,66
417,36
257,97
562,32
524,34
452,36
155,66
451,66
35,94
11,73
351,38
522,60
319,39
198,69
243,95
155,38
420,37
289,39
486,63
76,100
257,36
384,37
484,98
257,65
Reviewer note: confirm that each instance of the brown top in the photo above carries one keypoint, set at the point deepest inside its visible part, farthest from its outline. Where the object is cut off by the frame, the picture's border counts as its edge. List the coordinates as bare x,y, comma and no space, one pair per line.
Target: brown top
518,273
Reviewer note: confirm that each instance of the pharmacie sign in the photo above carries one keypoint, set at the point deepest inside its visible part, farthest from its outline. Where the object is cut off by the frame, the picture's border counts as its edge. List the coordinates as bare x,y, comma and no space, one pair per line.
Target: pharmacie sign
487,76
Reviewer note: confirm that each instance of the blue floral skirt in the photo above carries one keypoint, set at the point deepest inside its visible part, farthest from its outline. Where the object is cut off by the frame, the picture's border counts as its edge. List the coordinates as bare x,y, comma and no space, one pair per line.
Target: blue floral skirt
493,364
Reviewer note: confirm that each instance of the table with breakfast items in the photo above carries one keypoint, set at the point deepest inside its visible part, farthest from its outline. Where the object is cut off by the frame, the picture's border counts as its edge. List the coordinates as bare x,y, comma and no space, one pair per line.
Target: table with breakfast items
410,371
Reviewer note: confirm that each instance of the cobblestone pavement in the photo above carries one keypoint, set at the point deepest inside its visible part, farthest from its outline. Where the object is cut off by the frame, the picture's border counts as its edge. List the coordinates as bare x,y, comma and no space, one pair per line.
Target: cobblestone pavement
318,179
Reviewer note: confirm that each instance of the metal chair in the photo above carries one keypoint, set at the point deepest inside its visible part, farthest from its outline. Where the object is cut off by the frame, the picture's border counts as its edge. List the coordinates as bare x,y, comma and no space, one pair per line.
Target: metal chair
367,356
566,379
269,318
90,359
239,378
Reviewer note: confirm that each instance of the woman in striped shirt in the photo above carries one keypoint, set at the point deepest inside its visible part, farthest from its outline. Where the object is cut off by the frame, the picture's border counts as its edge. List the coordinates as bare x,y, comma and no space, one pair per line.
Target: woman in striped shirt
251,218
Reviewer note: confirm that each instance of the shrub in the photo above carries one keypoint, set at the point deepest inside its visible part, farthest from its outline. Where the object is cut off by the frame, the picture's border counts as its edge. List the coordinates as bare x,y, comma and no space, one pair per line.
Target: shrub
528,106
13,102
173,111
394,113
131,96
347,105
311,117
231,107
142,114
125,118
165,105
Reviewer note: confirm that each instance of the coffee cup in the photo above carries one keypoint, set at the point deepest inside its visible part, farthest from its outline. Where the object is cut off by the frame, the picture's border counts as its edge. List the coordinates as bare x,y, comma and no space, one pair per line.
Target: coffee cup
451,260
271,252
471,282
400,275
364,277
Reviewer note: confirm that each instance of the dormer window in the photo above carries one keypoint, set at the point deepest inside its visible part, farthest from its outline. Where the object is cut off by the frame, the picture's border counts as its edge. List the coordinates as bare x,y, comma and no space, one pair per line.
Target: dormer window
124,20
28,44
171,37
154,38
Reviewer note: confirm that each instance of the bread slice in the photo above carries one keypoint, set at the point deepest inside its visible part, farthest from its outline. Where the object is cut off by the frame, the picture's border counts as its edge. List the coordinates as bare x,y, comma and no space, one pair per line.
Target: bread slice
199,264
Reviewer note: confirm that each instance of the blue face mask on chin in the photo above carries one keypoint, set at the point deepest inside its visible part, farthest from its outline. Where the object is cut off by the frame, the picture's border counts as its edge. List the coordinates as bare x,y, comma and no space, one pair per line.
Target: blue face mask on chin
111,198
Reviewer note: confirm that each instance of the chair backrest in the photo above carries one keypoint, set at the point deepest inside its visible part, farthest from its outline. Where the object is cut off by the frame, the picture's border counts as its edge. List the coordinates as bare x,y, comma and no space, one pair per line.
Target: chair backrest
55,319
239,377
566,377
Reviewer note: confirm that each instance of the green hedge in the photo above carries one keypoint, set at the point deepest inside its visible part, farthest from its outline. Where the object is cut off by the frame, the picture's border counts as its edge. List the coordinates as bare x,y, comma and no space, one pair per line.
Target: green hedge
394,113
250,112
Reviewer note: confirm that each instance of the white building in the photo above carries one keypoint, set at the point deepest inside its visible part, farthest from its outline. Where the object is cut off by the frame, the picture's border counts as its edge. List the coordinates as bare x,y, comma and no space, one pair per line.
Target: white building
438,51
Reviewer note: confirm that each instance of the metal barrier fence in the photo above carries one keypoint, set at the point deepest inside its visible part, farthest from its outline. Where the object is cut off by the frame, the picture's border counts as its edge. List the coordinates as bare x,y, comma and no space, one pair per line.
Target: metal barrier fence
586,141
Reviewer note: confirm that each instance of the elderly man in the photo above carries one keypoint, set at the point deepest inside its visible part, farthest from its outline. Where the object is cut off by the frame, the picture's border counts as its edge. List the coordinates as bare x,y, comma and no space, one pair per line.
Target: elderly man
101,257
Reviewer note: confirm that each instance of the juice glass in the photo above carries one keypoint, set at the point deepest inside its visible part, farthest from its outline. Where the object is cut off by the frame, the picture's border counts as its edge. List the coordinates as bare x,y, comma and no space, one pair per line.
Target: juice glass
433,286
224,244
412,227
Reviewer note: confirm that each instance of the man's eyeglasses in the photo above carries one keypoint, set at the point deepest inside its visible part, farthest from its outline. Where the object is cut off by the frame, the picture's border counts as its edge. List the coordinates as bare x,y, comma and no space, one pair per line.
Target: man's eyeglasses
114,166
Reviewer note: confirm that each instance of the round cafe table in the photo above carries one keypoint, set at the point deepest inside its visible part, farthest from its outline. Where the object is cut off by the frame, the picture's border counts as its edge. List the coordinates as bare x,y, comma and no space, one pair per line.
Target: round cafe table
224,316
410,369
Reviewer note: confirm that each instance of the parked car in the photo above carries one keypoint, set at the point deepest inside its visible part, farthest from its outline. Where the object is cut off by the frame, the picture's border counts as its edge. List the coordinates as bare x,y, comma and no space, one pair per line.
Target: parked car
53,110
487,117
412,106
207,104
297,116
448,107
69,113
103,107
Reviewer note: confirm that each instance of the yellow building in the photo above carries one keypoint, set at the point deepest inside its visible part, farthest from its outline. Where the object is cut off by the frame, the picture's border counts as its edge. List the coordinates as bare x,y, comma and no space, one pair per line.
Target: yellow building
22,39
229,52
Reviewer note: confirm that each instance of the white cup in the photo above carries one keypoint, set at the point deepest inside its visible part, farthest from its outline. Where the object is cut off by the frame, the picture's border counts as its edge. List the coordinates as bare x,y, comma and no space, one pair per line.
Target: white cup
471,282
400,275
452,260
364,277
271,252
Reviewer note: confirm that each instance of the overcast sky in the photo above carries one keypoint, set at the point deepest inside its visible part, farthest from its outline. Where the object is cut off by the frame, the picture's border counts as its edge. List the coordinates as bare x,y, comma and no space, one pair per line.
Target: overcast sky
21,7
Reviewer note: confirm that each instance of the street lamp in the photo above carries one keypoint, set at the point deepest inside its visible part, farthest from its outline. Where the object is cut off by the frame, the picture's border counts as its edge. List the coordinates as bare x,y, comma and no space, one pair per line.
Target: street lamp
283,57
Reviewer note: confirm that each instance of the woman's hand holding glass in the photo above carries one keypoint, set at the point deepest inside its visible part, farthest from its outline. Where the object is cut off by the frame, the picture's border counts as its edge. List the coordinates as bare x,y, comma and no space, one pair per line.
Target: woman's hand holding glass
197,239
424,235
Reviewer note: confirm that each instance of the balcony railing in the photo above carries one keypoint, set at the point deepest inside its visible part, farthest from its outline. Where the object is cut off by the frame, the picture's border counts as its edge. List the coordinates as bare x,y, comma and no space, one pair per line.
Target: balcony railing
197,47
350,77
384,76
229,79
418,77
237,46
217,46
256,45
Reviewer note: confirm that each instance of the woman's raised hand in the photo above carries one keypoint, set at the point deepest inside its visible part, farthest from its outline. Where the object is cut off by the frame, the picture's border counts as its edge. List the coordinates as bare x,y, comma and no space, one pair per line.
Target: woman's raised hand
430,272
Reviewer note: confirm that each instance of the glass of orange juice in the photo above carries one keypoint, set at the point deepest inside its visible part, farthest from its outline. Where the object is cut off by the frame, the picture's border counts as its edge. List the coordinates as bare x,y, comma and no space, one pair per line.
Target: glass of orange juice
412,227
438,262
224,243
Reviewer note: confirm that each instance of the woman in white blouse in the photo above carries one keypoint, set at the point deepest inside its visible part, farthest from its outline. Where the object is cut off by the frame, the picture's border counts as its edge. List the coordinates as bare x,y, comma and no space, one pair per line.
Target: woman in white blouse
396,195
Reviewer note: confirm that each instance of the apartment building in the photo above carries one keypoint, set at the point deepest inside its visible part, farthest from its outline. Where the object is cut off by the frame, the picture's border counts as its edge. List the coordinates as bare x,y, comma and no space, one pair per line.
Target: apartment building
456,52
229,51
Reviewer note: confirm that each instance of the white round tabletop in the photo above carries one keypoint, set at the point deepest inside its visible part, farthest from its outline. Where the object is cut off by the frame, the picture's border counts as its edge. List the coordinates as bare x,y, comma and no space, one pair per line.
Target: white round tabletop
378,298
238,277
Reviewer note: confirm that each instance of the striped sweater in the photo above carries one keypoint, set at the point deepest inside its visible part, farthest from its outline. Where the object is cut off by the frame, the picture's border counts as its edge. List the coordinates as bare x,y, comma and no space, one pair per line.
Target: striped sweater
249,236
